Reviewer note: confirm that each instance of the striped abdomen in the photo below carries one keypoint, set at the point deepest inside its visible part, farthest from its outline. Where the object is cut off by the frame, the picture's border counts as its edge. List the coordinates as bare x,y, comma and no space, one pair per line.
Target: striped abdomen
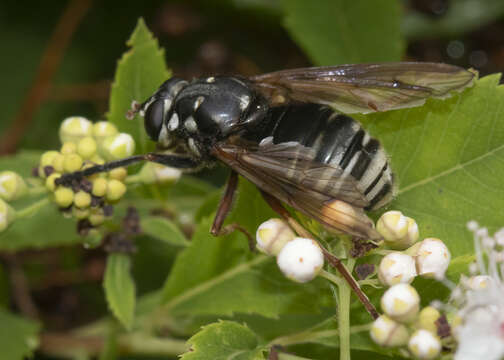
337,140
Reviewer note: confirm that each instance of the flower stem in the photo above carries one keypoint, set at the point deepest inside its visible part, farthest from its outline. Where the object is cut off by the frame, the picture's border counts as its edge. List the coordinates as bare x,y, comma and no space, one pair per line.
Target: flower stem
344,292
32,209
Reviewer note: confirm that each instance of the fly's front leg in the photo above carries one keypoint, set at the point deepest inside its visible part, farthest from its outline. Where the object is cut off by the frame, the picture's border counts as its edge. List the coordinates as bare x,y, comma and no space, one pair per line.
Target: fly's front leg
180,162
223,211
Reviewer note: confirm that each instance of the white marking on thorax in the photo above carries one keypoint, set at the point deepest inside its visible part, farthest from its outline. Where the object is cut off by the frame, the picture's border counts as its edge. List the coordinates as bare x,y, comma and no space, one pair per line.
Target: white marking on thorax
211,79
193,147
190,124
174,122
198,102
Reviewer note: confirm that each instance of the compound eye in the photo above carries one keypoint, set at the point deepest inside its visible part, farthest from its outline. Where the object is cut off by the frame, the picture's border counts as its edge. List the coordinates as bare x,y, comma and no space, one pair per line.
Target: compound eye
153,119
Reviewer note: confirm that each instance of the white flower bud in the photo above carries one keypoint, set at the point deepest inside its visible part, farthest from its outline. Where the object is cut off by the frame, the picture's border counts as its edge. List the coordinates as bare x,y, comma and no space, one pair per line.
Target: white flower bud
424,345
387,332
118,146
103,129
12,186
432,258
75,128
398,231
401,302
7,215
152,173
272,235
396,268
301,259
479,282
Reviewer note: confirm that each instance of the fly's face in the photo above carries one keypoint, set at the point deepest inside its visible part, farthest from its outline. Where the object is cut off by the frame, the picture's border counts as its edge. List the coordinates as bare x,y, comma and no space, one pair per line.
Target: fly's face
157,108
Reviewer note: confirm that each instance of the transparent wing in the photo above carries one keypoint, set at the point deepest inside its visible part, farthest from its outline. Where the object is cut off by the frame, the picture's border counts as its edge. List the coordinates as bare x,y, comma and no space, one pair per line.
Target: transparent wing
287,172
364,88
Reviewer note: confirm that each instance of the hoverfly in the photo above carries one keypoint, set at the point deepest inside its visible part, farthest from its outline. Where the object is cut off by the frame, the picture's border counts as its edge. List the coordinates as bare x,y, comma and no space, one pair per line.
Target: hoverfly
288,132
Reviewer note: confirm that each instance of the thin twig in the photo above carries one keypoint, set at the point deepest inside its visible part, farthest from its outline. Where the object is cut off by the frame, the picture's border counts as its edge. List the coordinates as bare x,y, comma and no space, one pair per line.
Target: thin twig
51,59
20,287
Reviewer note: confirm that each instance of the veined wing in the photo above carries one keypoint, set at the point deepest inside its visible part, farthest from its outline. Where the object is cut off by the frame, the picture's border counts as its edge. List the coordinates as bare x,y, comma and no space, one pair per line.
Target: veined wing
287,172
364,88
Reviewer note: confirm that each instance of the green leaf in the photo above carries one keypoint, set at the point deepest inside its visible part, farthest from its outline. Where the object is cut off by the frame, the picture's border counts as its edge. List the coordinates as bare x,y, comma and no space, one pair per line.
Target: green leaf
139,73
32,232
448,160
224,340
18,336
120,288
336,32
163,229
461,17
223,269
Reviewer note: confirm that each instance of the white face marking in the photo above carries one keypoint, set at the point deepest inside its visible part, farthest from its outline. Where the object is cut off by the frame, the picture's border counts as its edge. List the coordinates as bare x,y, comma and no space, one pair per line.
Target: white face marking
244,102
193,147
146,106
190,124
174,122
167,106
198,102
164,137
211,79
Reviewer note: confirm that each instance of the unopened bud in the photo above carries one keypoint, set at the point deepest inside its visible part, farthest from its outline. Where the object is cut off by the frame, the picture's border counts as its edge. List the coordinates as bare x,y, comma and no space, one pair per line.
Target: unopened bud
401,302
424,345
68,148
99,187
152,173
63,196
58,163
103,129
86,147
118,173
272,235
432,258
396,268
427,319
46,159
115,190
118,146
79,213
75,128
50,185
82,199
7,215
12,186
389,333
300,259
96,217
398,231
479,282
72,162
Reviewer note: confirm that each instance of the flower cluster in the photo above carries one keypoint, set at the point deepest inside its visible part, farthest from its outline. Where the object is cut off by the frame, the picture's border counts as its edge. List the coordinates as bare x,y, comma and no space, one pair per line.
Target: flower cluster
478,301
403,322
89,199
85,145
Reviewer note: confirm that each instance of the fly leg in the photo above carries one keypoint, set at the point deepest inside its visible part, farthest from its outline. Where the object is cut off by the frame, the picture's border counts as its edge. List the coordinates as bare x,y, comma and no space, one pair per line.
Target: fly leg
223,211
277,206
180,162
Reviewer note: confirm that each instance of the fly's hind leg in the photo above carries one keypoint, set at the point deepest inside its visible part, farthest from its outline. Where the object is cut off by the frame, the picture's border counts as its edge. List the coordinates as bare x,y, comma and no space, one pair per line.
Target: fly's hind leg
223,211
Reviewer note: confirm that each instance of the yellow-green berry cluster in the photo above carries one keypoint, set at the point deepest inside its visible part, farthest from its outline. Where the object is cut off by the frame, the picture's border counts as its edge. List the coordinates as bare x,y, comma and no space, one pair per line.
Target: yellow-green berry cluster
403,322
12,187
85,145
